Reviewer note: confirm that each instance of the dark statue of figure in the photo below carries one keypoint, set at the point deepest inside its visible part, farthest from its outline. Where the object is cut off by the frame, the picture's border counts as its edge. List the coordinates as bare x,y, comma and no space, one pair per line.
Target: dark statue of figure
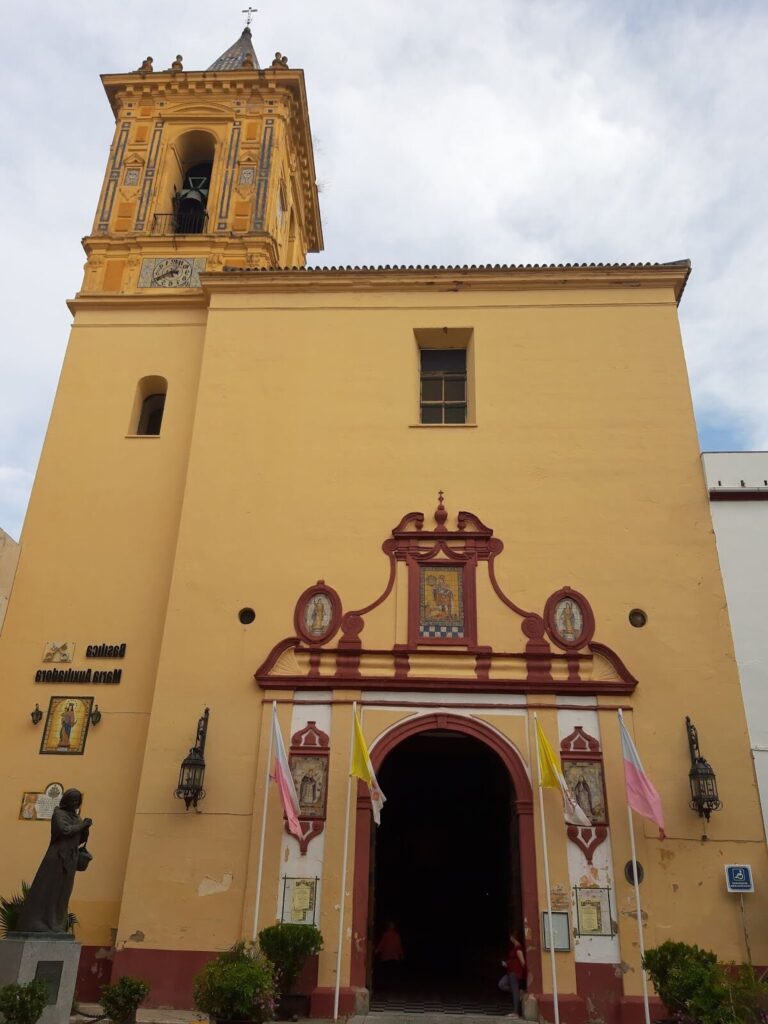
47,904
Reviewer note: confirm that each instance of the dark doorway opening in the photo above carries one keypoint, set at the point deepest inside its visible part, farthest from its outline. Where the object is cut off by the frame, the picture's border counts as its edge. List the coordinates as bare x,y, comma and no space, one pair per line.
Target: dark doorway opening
447,871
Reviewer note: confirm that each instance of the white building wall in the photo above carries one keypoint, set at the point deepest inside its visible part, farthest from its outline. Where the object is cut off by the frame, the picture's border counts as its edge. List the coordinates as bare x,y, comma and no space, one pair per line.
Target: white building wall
738,488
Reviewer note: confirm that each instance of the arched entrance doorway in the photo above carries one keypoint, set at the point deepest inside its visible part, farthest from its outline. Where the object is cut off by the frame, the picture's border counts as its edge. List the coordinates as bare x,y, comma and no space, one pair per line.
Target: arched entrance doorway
453,863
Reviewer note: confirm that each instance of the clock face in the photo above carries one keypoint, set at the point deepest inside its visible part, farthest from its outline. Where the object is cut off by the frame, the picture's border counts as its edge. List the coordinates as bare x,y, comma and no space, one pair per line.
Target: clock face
172,273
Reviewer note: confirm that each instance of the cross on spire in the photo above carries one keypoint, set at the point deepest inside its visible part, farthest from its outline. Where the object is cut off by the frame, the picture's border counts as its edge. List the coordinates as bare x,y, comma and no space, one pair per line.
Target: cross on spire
249,13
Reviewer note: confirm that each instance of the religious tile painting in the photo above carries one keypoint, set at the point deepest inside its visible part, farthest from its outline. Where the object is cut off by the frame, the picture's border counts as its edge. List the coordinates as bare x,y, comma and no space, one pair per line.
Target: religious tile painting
66,725
569,620
585,781
318,612
310,777
40,806
441,602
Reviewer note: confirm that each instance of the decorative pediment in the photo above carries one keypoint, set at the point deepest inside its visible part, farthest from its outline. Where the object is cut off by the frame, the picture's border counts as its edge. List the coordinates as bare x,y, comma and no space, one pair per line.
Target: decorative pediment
444,649
580,742
309,738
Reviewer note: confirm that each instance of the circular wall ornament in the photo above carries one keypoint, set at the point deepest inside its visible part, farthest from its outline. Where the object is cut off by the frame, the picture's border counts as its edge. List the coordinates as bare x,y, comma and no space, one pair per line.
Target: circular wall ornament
569,619
637,618
317,615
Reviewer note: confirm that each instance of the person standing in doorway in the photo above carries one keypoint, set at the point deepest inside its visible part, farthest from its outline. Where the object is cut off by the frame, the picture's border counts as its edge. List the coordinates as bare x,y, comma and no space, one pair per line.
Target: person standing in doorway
515,972
389,953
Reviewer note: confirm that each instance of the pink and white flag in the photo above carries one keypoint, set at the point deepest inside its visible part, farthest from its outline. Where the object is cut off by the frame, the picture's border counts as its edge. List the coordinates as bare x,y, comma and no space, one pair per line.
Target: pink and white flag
284,779
641,793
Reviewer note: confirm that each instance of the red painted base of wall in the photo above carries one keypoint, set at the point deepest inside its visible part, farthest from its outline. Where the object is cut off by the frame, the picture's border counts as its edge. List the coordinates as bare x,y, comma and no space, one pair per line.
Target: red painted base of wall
633,1010
602,989
170,973
572,1008
95,970
321,1002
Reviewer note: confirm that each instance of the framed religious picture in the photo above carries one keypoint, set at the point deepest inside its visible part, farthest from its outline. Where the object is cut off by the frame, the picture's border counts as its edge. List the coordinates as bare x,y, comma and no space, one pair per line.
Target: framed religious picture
593,911
585,780
560,930
66,725
569,619
40,806
317,614
441,602
310,777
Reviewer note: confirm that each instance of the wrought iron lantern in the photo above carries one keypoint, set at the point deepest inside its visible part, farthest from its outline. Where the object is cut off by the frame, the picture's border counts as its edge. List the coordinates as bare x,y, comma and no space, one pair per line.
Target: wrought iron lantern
192,772
704,798
36,715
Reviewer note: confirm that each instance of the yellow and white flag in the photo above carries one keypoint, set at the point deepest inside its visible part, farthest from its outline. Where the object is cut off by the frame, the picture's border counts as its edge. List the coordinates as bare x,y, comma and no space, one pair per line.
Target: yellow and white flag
362,768
551,775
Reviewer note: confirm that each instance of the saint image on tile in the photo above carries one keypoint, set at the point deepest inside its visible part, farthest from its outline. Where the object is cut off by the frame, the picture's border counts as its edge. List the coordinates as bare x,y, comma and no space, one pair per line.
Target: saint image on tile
585,781
569,620
66,725
441,601
317,614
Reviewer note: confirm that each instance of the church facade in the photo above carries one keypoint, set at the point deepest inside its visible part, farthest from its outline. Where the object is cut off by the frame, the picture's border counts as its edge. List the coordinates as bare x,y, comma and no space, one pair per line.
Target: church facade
451,498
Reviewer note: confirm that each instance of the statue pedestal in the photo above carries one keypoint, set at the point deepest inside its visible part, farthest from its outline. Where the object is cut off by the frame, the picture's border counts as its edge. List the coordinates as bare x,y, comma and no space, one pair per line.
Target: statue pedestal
50,958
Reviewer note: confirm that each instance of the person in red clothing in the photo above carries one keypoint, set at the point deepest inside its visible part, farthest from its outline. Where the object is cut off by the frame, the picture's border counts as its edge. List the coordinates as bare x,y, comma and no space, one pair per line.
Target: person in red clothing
389,953
515,971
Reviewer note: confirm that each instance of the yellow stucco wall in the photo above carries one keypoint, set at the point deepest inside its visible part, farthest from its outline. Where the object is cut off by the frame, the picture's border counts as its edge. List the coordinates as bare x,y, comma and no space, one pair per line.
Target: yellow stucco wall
290,447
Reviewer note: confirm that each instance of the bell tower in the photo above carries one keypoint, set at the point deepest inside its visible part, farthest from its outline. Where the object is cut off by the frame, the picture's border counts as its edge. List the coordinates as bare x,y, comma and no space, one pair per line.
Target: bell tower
207,169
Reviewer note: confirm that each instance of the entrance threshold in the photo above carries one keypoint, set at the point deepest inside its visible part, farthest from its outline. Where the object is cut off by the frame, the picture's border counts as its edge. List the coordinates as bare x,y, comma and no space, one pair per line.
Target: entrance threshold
428,1017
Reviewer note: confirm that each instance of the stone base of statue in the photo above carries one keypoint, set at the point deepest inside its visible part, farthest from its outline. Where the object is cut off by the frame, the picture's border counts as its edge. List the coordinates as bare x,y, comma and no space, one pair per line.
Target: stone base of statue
50,957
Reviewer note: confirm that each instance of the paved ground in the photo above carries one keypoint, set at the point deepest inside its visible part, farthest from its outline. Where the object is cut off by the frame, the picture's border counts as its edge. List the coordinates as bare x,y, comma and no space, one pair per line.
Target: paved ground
404,1017
375,1017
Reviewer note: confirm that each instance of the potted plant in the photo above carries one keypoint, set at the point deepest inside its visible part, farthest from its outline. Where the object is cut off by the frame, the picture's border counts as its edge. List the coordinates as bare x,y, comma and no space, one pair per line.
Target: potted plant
237,986
121,1000
287,946
23,1004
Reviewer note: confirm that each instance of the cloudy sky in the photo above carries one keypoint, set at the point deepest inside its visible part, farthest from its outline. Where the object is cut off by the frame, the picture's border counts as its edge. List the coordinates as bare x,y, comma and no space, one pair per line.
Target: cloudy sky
446,131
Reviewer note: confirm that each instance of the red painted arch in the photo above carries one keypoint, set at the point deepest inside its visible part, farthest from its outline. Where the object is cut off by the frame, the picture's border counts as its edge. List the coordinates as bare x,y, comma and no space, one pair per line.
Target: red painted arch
523,806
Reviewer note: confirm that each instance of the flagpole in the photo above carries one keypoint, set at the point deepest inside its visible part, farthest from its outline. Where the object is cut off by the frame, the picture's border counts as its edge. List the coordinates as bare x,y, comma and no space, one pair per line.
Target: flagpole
546,878
264,822
639,915
342,901
637,907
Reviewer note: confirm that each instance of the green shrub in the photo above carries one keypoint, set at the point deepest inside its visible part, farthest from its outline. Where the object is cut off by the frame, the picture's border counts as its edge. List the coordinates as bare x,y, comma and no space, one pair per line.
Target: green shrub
121,1000
237,985
23,1004
696,989
287,946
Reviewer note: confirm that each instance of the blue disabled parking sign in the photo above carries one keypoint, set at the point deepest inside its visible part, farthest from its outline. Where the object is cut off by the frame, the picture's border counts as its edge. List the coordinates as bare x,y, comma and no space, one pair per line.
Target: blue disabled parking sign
738,878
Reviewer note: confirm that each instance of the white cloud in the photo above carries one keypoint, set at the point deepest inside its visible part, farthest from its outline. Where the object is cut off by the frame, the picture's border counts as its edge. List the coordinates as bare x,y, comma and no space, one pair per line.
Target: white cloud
496,131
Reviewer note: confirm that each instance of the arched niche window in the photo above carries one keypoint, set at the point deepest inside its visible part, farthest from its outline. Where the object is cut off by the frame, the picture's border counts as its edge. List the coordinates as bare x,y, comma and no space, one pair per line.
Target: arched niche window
191,167
149,406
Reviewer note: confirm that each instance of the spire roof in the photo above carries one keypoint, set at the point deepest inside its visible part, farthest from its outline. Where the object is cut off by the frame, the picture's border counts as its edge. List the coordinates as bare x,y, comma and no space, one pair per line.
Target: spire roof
233,58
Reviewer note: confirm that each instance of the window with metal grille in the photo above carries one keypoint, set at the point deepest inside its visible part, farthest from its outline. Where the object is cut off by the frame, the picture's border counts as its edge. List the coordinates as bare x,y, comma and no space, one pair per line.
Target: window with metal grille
443,385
